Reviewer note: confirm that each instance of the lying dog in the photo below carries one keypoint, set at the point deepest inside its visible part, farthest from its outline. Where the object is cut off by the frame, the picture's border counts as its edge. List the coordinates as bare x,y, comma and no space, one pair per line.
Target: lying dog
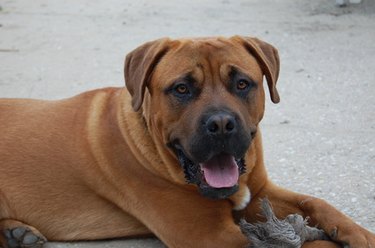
172,155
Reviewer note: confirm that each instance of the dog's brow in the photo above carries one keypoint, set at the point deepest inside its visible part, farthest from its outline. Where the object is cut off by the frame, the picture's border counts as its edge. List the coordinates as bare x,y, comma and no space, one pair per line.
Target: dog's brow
236,71
187,77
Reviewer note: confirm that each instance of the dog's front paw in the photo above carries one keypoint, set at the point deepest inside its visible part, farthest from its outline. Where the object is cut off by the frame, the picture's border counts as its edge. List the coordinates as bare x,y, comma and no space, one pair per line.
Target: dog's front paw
23,237
353,237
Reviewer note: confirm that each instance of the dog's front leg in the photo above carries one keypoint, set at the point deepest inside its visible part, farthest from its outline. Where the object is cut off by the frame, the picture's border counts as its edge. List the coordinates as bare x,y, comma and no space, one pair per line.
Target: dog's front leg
182,218
338,226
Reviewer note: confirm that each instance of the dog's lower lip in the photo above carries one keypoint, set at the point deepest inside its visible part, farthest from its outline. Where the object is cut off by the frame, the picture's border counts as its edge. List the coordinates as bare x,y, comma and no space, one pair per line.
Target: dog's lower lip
194,174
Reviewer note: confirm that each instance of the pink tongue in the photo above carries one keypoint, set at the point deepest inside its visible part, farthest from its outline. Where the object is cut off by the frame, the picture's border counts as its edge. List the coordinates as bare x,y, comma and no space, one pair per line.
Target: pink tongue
221,171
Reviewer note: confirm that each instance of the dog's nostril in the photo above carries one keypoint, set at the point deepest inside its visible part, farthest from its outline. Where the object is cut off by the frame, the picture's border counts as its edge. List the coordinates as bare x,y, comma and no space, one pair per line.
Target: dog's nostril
229,126
213,127
221,124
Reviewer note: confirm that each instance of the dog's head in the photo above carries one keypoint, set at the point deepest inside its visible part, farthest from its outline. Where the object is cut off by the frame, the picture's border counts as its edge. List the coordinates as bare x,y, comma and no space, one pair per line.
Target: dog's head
204,100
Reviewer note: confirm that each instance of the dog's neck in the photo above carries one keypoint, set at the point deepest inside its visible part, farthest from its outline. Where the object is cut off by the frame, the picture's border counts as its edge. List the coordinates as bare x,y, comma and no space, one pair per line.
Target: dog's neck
146,145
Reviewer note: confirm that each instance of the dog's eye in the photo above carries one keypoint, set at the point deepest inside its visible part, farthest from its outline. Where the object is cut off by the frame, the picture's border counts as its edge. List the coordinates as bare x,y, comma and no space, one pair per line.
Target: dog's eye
181,89
242,85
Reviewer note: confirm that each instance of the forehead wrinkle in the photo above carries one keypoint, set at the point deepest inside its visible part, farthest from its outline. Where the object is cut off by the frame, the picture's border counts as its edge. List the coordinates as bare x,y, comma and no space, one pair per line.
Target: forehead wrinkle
209,58
238,69
206,58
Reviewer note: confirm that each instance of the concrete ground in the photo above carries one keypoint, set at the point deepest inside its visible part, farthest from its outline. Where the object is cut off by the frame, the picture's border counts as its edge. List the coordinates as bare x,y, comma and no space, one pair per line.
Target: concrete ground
319,140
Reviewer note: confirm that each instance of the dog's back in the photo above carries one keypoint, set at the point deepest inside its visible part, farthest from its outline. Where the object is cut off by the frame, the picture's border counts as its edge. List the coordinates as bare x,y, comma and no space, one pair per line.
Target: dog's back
44,149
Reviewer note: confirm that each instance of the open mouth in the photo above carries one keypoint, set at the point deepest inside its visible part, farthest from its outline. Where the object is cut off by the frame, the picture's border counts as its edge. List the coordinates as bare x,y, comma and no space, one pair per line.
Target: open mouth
217,177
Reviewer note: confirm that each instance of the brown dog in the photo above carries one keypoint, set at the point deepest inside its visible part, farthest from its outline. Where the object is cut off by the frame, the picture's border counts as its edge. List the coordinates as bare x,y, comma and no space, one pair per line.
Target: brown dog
172,155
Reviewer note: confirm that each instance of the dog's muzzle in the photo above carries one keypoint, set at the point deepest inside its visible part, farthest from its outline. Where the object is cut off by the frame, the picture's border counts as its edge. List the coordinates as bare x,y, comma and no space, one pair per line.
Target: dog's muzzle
216,154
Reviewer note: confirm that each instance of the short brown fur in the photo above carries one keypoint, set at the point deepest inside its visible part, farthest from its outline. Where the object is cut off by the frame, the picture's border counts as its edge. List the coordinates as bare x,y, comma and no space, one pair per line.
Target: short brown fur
97,166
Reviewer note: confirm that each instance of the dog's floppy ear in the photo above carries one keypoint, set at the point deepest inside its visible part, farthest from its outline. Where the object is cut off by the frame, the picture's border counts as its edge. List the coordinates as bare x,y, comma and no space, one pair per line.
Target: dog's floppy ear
139,65
268,59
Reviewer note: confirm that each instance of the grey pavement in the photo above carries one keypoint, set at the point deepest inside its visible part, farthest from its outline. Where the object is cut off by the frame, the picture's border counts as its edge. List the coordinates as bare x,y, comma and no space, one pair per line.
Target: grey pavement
319,140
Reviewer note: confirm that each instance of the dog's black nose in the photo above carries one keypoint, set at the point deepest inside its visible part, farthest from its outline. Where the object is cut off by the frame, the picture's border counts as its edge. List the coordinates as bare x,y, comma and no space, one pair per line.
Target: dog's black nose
221,124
